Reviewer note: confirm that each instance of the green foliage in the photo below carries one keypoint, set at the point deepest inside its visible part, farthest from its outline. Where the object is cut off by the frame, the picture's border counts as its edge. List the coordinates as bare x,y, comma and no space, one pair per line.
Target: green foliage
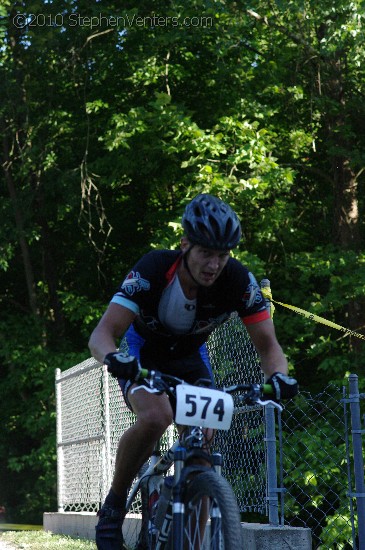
327,280
315,467
28,436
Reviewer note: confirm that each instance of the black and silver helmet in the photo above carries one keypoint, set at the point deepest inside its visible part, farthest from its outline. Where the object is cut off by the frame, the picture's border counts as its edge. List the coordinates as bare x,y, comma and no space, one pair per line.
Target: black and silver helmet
211,223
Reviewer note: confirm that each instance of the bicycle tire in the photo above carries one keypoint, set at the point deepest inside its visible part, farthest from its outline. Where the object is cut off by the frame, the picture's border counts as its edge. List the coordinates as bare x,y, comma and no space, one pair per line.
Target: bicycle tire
224,533
135,525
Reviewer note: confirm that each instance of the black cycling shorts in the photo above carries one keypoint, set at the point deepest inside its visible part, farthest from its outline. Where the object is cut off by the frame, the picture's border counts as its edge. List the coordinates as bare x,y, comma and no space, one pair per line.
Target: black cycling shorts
190,369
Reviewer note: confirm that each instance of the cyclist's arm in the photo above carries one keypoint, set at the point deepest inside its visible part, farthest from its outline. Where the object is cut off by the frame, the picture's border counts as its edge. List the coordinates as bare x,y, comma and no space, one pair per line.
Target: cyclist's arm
271,354
113,324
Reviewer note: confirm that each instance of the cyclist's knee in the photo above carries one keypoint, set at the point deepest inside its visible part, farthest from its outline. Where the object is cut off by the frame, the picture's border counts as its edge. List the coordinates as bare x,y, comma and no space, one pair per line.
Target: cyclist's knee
155,421
154,413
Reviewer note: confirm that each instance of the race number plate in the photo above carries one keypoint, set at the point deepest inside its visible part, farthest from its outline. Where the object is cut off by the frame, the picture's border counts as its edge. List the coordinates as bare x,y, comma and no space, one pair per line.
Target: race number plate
204,407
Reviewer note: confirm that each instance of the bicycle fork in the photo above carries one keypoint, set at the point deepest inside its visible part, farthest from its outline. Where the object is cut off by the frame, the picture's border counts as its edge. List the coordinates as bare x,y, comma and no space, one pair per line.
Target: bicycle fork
178,505
178,509
171,506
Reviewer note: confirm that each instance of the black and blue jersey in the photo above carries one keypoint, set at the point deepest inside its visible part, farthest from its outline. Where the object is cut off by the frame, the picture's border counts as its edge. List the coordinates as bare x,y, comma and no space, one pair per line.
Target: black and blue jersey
235,290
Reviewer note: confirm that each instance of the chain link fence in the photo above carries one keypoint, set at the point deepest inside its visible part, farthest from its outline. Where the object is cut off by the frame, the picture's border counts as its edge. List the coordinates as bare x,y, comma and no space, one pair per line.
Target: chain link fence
315,453
316,469
91,416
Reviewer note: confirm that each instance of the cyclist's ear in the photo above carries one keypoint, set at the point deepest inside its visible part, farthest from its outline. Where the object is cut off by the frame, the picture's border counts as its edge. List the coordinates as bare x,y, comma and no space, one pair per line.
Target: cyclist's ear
184,244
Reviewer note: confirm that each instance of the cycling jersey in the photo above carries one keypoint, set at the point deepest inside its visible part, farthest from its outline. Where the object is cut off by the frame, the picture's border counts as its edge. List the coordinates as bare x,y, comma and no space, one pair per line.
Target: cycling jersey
235,289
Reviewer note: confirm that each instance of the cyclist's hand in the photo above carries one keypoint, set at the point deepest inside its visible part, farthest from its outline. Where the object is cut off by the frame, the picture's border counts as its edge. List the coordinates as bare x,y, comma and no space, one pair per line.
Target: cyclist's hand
121,366
283,386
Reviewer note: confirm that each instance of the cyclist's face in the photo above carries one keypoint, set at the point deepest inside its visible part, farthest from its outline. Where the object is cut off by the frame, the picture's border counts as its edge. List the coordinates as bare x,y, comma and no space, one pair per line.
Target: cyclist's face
206,264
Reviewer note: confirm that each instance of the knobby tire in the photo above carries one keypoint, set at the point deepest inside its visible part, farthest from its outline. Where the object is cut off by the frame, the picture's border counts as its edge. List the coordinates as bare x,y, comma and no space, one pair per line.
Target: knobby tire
220,534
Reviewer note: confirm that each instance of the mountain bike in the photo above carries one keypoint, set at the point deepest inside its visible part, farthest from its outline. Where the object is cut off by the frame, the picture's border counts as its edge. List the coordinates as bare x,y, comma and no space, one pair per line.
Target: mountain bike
194,508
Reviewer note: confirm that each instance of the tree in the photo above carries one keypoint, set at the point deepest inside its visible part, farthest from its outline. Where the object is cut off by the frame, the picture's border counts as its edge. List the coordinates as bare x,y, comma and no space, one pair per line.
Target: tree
311,57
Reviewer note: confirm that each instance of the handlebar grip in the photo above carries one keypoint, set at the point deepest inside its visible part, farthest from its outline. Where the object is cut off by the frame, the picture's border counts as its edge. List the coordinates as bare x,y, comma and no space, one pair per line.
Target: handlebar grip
267,389
143,373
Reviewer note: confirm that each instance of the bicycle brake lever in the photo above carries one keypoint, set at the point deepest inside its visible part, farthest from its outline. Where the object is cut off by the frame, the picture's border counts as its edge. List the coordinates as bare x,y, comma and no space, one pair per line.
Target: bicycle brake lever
269,401
149,390
156,385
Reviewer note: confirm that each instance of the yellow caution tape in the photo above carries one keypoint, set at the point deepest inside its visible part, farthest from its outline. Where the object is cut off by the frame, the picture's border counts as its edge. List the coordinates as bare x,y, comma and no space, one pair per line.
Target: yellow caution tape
267,295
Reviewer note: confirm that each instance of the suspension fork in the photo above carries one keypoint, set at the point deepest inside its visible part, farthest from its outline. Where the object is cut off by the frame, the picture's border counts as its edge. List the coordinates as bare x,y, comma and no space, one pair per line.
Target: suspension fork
216,517
178,505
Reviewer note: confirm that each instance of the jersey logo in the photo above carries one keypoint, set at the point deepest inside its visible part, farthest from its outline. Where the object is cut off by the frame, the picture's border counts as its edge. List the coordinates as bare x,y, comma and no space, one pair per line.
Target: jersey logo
212,323
134,283
252,294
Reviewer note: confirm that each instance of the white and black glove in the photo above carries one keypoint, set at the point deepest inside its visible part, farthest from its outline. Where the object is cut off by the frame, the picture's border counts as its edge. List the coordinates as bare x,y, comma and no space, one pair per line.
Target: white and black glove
121,366
283,386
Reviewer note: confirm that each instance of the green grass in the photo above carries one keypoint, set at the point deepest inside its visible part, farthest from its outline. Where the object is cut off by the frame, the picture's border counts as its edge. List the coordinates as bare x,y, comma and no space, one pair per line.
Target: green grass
19,527
41,540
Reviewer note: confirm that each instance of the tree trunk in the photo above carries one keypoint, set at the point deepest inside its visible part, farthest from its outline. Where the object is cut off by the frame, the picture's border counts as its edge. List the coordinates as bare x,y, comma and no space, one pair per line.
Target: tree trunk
55,313
346,211
19,223
346,232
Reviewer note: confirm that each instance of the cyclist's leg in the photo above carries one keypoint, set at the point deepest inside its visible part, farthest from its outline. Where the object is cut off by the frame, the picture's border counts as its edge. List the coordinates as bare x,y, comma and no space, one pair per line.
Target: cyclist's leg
153,415
203,352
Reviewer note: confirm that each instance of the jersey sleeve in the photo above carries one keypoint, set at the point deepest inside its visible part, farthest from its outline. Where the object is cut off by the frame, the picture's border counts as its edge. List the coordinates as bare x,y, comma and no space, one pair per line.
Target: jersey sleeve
256,317
132,292
252,306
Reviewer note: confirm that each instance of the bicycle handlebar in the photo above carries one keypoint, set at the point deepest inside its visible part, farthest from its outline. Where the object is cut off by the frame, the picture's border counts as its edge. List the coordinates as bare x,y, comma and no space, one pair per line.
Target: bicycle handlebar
132,370
253,393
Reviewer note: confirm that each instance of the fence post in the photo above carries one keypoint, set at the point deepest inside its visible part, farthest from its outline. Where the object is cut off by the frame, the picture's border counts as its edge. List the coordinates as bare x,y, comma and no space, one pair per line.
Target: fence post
60,461
106,400
357,432
272,484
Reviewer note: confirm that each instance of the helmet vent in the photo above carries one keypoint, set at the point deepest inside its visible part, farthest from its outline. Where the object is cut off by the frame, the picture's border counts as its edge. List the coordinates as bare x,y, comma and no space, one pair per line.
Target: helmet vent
211,223
215,227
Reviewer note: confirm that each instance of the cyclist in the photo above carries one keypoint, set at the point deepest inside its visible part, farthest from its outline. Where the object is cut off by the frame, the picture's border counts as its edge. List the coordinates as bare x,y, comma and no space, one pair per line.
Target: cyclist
166,308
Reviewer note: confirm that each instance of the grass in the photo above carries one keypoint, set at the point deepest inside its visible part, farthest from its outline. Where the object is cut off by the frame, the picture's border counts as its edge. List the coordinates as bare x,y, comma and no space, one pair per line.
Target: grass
19,527
42,540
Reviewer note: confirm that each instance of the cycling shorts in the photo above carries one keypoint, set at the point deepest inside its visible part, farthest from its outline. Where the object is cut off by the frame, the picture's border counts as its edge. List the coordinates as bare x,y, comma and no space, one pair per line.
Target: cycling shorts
190,369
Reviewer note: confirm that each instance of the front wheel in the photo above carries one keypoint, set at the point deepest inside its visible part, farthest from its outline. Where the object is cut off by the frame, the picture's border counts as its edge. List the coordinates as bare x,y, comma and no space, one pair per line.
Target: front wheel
212,518
135,526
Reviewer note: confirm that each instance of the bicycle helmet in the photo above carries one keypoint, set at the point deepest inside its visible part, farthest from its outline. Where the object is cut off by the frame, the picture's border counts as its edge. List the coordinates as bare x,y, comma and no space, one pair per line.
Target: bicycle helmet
211,223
